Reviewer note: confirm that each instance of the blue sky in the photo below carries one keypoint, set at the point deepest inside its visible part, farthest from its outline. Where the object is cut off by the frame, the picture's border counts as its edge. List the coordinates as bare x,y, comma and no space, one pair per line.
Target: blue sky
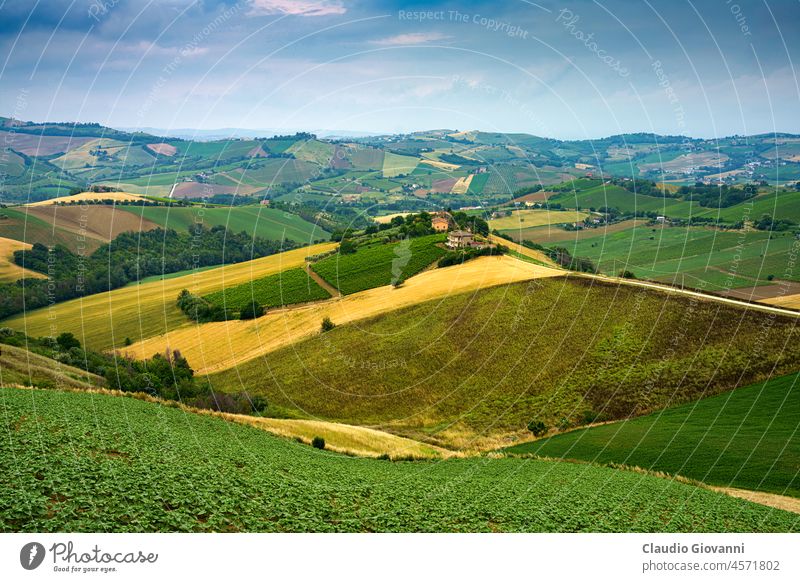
573,69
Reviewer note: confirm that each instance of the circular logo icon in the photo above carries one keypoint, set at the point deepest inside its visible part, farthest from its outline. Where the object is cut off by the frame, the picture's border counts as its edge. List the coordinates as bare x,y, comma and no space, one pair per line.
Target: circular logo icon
31,555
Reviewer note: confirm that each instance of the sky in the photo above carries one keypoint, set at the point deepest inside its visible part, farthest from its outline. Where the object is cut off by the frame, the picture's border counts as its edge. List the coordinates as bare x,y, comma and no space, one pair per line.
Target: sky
577,69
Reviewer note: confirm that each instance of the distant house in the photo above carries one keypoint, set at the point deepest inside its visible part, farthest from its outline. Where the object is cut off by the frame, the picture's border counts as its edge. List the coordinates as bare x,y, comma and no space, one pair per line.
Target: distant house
459,239
265,202
440,223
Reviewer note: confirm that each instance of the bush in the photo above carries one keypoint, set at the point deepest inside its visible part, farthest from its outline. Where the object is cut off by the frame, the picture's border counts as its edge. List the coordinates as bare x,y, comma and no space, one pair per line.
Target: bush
318,442
627,275
537,427
327,324
251,311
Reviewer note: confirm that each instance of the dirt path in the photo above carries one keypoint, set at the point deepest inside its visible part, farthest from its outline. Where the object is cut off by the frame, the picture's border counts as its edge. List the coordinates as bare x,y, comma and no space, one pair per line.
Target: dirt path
770,499
676,290
333,291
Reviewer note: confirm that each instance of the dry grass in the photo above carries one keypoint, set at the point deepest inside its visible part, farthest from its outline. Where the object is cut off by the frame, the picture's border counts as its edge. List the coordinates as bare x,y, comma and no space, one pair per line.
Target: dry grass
216,346
769,499
344,438
104,320
462,185
539,217
387,218
787,301
440,165
84,196
20,367
10,271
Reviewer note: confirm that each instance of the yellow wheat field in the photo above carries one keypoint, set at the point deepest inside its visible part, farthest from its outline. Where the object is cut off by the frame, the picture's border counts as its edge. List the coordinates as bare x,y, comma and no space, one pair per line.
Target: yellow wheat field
440,165
211,347
462,185
104,320
787,301
90,196
518,248
9,270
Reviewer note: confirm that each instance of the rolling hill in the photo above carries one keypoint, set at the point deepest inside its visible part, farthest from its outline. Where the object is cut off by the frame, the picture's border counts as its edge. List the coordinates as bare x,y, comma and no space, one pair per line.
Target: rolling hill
473,369
746,438
89,462
148,309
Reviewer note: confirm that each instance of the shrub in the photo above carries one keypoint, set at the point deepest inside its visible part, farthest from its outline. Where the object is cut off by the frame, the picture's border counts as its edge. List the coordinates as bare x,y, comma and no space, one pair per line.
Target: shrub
251,311
318,442
627,274
327,324
537,427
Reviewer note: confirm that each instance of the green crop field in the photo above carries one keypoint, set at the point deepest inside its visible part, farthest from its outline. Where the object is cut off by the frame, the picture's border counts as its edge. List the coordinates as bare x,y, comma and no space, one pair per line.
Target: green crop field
710,259
93,462
396,165
254,220
482,365
380,264
285,288
747,438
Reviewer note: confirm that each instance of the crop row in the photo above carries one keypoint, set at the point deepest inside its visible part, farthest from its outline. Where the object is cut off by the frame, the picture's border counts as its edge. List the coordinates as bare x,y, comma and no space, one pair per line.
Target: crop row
381,264
285,288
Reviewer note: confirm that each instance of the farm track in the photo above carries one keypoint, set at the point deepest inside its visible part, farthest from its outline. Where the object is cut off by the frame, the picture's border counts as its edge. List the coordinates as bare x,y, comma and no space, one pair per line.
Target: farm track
332,291
686,292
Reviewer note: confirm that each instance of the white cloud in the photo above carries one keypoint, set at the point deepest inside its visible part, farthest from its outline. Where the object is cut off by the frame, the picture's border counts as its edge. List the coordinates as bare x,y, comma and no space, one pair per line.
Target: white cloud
410,38
297,7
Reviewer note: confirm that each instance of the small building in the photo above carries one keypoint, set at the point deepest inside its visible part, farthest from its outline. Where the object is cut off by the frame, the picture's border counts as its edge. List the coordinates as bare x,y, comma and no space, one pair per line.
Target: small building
440,223
264,202
459,239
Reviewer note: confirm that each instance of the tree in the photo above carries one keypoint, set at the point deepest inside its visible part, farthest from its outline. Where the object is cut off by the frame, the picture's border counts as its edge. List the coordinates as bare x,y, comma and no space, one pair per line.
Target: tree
537,427
67,340
251,310
327,324
318,442
347,247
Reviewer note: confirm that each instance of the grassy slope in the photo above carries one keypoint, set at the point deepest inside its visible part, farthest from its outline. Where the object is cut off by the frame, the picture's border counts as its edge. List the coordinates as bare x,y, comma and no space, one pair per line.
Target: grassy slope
256,221
482,365
705,256
379,264
21,226
20,367
747,438
89,462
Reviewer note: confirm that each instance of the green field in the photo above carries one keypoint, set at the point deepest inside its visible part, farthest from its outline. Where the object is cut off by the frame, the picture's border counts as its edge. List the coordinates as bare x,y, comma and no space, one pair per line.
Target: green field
482,365
747,438
90,462
379,264
396,165
254,220
285,288
709,259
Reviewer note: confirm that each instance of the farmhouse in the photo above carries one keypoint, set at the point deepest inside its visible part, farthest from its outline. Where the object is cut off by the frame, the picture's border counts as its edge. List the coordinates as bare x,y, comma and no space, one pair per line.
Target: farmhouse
440,223
459,239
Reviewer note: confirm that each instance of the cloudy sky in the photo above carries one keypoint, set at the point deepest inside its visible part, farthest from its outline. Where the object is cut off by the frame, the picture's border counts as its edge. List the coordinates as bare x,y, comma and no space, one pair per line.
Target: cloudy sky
572,69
